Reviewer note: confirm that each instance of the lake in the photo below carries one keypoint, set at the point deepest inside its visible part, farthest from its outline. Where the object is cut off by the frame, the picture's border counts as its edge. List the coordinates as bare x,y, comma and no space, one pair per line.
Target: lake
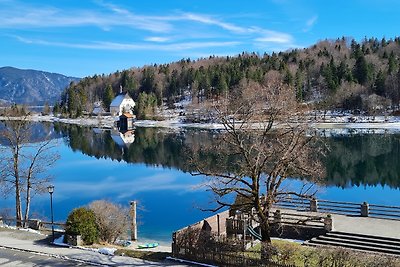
152,166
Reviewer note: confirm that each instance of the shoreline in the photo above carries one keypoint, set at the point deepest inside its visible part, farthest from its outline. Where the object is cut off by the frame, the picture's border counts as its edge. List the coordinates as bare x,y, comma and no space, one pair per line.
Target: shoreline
378,124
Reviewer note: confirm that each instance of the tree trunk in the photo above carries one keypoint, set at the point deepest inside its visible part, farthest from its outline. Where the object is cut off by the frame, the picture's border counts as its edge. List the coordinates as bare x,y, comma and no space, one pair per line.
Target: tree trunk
27,204
18,209
266,246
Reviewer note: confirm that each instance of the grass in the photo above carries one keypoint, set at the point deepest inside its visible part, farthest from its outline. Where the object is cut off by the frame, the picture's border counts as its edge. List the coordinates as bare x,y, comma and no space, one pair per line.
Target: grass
135,253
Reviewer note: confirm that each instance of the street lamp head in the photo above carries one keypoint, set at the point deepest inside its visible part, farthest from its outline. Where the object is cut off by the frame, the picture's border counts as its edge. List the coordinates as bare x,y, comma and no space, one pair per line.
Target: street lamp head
50,188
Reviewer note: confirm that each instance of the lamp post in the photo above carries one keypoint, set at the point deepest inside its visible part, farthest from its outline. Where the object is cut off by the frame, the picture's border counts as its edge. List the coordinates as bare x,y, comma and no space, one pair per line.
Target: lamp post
50,188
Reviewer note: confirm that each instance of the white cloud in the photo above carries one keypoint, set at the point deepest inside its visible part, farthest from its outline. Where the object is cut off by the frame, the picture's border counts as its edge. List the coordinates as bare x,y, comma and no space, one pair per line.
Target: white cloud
128,46
267,36
166,29
209,20
310,23
23,16
157,39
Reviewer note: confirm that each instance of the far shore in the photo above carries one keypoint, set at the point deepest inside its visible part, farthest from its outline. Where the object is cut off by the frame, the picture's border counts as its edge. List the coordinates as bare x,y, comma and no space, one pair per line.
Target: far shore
335,123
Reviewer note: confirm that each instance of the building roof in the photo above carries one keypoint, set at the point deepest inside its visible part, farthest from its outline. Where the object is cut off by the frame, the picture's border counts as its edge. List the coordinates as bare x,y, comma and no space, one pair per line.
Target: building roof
127,115
117,101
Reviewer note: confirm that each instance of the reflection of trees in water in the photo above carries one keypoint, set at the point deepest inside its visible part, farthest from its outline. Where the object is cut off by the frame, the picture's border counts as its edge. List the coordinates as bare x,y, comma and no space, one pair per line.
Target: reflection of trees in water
353,160
364,160
39,131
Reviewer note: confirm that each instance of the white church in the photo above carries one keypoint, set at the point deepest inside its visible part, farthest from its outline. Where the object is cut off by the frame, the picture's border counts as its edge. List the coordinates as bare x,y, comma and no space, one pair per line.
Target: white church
122,103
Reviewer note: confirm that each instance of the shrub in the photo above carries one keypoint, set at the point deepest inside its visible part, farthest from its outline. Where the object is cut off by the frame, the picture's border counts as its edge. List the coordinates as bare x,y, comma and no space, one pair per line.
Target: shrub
112,220
81,221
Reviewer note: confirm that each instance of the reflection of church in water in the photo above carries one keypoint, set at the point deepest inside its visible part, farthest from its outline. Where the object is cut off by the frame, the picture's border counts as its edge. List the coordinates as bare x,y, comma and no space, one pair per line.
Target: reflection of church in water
123,138
124,134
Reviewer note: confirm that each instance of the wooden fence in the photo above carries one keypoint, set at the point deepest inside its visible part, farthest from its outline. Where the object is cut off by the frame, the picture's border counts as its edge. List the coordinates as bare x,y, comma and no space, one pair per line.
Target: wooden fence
339,207
223,258
33,223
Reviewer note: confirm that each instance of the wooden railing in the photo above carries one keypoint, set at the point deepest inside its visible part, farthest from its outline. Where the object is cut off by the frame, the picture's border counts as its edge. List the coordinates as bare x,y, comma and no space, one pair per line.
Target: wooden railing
340,207
382,211
32,223
223,258
299,219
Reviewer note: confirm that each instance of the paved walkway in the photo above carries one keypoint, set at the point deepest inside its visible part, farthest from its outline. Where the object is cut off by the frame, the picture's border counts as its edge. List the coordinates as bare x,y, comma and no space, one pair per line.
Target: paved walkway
366,226
33,243
341,223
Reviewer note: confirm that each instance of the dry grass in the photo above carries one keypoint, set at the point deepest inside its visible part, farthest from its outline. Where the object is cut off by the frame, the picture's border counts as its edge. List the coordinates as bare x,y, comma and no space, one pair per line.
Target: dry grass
303,256
145,255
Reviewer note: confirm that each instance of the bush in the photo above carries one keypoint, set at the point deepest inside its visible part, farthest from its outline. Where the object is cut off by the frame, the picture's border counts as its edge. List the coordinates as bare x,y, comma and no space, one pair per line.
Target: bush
112,220
82,221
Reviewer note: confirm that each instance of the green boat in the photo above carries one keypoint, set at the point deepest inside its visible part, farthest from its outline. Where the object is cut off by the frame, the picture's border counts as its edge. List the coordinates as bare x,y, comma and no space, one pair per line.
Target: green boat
148,245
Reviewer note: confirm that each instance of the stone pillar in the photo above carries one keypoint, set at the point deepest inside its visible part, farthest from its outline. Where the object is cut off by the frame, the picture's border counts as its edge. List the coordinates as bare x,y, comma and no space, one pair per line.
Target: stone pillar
34,224
364,209
73,240
277,216
133,221
328,223
314,205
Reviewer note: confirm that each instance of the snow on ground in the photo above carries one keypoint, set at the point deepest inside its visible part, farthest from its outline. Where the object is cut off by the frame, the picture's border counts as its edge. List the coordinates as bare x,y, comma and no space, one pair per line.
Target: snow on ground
60,242
107,251
29,230
328,123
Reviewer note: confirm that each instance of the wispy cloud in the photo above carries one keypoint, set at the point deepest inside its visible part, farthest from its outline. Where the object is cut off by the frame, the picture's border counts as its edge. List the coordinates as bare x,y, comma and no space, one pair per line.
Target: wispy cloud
205,19
19,15
268,36
310,23
157,39
128,46
170,32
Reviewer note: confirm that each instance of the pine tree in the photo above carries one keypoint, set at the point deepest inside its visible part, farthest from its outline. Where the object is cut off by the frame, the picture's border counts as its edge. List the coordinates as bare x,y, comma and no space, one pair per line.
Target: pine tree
380,88
362,72
108,97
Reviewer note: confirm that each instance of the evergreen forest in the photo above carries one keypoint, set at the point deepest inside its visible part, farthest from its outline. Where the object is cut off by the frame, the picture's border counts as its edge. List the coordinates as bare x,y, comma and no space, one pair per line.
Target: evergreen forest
340,74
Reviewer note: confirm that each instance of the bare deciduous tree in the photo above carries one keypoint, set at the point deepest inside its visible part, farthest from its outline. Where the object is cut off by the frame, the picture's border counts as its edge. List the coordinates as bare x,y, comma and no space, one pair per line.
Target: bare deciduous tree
24,164
260,150
112,220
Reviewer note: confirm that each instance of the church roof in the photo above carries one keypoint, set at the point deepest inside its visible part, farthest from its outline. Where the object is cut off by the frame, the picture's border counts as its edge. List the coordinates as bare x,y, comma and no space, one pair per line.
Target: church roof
118,99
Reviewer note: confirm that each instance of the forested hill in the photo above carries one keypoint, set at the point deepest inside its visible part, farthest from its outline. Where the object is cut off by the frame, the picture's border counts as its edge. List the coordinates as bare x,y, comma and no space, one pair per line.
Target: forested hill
340,73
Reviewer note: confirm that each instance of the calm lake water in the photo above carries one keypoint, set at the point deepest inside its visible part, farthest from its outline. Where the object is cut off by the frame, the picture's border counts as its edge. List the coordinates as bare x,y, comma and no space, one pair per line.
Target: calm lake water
152,166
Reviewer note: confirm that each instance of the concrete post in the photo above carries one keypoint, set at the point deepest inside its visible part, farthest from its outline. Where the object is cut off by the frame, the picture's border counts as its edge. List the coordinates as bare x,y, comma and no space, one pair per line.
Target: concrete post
364,209
314,205
174,250
133,221
277,216
328,223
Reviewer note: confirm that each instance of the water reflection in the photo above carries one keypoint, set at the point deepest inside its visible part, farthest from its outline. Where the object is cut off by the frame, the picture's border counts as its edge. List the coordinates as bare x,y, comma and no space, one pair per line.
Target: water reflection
353,160
123,138
370,159
94,166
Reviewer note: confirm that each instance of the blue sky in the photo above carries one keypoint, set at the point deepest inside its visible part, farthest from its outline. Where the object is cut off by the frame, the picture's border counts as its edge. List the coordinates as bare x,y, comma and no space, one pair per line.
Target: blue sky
80,38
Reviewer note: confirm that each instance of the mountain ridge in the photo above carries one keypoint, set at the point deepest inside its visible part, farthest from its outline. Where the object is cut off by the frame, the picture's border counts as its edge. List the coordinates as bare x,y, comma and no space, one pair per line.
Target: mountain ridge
31,87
